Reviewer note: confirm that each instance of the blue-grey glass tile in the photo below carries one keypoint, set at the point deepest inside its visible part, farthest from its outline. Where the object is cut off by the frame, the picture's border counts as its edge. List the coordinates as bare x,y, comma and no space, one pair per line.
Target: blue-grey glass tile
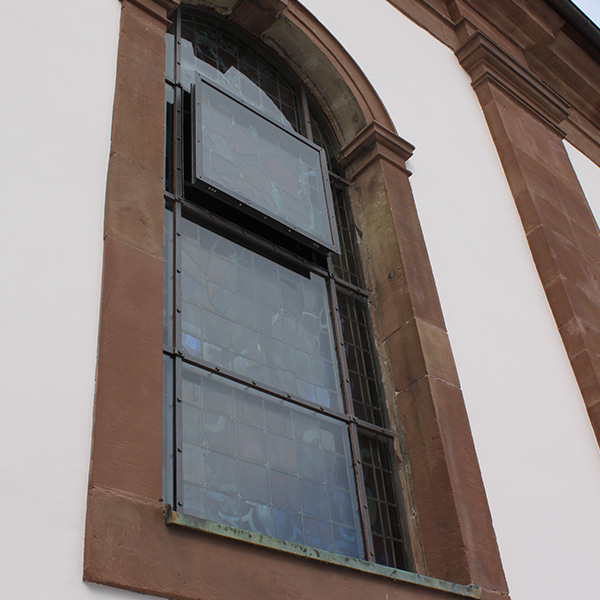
342,506
252,440
288,526
219,432
194,464
278,419
256,517
346,541
221,472
311,462
222,508
285,491
314,499
281,452
338,472
318,534
250,411
217,394
192,417
280,339
194,499
254,482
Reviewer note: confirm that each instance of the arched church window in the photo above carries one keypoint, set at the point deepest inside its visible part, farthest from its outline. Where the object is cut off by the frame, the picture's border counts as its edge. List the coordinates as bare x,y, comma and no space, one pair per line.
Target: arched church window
274,416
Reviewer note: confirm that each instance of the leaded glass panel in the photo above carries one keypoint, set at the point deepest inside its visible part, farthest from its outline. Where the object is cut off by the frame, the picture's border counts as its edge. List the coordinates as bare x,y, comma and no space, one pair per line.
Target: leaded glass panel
378,477
358,351
245,313
262,464
227,60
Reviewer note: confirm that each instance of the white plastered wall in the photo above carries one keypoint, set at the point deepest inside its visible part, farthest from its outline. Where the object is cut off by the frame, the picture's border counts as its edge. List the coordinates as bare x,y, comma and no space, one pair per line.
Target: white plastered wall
588,173
538,455
58,62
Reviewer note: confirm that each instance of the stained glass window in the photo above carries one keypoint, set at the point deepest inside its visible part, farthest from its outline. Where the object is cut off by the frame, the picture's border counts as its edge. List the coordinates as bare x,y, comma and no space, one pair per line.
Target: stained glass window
274,416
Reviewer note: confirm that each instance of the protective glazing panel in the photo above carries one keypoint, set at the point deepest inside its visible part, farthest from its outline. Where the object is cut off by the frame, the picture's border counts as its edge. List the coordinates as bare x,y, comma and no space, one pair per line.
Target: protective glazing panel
245,313
382,502
258,463
262,165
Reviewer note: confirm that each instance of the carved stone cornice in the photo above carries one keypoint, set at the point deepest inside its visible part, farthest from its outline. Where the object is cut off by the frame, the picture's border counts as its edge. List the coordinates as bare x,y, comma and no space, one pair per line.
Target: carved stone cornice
258,15
158,9
485,62
372,143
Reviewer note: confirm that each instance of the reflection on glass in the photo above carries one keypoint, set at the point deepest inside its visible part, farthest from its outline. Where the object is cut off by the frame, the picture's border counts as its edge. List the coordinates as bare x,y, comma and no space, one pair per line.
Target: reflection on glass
261,464
247,314
260,164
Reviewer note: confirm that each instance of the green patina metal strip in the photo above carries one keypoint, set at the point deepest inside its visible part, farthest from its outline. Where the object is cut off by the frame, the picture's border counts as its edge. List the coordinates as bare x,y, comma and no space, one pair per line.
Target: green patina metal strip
175,518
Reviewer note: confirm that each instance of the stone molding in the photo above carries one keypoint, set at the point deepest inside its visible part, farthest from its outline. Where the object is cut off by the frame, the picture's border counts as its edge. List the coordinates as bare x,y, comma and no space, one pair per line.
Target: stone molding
158,9
485,61
258,15
375,142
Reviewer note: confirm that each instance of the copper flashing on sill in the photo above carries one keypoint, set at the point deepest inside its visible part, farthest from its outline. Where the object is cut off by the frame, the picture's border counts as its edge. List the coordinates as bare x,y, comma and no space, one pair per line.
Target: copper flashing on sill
174,518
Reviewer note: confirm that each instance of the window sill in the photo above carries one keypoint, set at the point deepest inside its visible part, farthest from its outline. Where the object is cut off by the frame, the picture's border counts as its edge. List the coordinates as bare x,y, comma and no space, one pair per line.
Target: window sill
174,518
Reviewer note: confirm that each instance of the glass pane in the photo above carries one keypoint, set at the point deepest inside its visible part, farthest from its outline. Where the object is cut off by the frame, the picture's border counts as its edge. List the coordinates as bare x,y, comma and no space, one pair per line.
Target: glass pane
262,464
247,314
359,351
376,456
261,165
168,277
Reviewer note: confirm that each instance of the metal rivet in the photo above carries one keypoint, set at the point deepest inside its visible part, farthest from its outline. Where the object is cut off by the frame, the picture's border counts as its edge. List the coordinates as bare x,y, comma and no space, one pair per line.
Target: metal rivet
180,503
178,399
179,450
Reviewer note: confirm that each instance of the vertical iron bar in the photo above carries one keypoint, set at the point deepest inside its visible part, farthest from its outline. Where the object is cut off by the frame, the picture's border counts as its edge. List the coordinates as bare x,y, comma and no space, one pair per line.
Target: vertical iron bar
178,142
178,438
354,444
